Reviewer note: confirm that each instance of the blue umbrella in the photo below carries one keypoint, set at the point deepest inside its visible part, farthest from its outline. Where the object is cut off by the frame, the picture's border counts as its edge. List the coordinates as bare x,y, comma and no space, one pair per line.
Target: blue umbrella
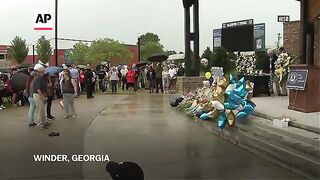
53,70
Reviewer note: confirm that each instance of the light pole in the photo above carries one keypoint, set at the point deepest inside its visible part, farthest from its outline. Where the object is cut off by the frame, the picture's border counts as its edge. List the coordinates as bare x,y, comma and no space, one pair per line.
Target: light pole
56,33
139,55
33,53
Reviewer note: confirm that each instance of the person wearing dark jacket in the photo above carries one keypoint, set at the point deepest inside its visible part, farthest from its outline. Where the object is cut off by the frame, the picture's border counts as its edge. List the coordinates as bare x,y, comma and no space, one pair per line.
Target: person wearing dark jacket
50,95
159,70
272,59
151,76
88,79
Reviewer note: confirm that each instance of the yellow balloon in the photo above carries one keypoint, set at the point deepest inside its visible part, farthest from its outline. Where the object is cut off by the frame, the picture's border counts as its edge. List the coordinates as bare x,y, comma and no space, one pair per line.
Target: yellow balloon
207,75
231,118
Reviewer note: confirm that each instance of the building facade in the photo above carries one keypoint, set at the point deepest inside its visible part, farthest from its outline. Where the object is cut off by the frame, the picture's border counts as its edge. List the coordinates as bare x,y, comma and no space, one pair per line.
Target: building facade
291,39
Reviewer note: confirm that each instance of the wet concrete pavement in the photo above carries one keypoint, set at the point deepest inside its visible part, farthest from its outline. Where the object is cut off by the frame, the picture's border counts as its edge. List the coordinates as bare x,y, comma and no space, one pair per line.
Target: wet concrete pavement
18,142
168,145
140,128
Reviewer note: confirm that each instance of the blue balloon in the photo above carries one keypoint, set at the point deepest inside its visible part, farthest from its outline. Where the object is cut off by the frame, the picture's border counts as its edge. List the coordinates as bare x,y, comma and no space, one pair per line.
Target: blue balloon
241,91
242,81
222,120
248,109
204,116
230,105
235,98
241,115
247,102
232,79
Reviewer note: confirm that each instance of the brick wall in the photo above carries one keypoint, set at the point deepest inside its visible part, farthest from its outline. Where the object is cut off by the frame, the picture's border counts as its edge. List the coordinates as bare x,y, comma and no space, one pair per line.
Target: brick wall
291,39
189,84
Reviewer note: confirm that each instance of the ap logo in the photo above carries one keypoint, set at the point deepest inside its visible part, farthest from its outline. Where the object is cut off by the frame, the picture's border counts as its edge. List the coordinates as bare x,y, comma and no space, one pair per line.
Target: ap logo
43,20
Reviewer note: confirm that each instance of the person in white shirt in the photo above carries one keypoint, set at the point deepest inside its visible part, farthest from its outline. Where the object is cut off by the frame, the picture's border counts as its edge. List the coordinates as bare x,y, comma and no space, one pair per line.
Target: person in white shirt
173,78
124,72
165,79
113,74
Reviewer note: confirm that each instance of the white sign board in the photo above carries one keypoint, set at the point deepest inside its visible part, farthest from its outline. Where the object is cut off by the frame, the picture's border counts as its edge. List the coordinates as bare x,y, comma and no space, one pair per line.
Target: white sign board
217,73
43,19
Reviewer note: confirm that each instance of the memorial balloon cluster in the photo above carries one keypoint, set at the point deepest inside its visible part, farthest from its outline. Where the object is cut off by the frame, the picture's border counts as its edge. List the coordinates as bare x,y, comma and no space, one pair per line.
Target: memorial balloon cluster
226,101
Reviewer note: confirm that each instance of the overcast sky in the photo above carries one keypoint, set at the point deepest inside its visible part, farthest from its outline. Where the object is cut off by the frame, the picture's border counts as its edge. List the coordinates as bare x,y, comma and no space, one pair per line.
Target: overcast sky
124,20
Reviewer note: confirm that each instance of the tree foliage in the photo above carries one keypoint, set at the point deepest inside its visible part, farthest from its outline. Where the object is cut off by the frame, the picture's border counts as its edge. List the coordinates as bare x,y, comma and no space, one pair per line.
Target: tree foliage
19,49
79,53
108,50
209,56
150,44
223,59
43,49
261,57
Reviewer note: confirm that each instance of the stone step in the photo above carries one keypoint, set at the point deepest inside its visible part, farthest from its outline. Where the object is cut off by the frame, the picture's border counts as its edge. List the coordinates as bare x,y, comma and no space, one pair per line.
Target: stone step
295,152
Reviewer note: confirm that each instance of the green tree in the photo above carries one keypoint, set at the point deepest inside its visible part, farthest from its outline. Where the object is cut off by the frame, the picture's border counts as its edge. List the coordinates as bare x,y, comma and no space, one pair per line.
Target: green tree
149,49
19,49
208,55
223,59
43,49
261,57
79,53
150,44
149,37
108,50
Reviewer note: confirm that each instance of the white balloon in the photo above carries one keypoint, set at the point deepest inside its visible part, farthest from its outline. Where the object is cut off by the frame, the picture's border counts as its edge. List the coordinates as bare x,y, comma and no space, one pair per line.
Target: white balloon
204,62
206,84
217,105
231,87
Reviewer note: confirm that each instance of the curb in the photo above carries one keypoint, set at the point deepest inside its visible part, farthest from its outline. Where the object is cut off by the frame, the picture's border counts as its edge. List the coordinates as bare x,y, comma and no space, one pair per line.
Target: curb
292,123
262,147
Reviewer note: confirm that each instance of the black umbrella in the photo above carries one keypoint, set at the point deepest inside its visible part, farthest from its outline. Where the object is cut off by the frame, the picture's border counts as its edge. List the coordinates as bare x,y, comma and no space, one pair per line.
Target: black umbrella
140,64
19,81
157,57
25,65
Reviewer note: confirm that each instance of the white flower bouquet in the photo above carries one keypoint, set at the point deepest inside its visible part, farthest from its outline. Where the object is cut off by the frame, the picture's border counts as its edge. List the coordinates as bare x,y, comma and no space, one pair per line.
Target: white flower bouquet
246,64
282,65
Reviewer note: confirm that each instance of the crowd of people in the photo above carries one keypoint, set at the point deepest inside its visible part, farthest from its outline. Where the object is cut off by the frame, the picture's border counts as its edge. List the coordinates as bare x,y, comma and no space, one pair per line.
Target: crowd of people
38,86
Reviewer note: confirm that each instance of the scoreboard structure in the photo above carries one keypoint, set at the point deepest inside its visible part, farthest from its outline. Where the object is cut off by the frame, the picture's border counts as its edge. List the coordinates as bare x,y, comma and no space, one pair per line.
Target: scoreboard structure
241,35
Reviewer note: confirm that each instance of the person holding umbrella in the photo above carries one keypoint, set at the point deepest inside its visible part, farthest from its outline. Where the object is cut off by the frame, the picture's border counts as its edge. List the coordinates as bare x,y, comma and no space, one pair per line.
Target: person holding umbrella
89,82
159,70
151,76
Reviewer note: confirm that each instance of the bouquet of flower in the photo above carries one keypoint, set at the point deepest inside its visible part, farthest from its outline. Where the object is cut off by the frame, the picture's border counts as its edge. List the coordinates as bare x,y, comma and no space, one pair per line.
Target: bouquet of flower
246,64
282,65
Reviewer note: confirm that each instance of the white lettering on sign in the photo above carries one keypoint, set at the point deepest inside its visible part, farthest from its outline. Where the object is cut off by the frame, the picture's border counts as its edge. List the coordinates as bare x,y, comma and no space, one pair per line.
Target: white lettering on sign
43,20
283,18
